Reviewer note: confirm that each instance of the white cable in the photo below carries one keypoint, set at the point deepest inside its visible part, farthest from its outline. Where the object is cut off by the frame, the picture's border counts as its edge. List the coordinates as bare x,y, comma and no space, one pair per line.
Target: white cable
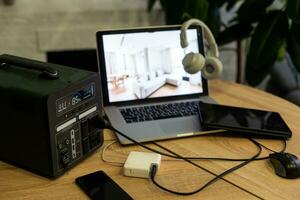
104,159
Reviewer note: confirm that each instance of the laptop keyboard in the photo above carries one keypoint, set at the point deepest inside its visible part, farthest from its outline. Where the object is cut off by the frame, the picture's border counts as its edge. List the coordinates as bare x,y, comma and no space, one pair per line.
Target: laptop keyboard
162,111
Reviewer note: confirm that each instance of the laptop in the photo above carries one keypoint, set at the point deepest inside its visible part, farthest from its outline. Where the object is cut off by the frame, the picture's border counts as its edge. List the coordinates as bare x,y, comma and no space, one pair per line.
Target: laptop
146,93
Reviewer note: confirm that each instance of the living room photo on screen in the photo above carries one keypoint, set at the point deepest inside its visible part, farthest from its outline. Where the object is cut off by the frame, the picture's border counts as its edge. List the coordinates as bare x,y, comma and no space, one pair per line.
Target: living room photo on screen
149,65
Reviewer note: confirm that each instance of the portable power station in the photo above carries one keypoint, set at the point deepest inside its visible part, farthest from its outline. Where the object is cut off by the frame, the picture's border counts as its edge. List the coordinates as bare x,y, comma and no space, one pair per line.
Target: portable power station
47,116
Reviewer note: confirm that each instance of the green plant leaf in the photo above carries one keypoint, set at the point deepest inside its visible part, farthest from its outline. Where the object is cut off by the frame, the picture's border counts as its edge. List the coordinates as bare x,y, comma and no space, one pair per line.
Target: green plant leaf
150,5
233,33
177,11
293,47
196,8
253,10
221,2
213,18
293,9
295,30
173,11
231,4
281,53
163,4
269,35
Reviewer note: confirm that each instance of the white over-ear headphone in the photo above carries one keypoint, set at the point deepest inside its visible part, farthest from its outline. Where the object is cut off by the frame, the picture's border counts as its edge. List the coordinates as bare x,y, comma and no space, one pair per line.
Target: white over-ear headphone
211,66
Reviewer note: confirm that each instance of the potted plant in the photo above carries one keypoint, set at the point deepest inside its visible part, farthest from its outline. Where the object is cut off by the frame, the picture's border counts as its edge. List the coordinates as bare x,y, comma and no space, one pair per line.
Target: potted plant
272,31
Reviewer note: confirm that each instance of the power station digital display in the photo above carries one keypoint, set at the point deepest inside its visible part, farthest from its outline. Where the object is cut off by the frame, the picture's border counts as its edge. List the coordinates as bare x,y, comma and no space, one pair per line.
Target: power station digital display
69,102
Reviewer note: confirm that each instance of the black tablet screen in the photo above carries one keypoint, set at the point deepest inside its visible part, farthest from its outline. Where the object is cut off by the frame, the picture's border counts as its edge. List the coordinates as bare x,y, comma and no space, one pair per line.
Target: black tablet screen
243,119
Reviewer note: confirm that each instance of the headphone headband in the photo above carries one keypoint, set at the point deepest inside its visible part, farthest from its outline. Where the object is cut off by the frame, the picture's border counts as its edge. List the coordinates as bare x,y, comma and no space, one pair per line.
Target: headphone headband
207,34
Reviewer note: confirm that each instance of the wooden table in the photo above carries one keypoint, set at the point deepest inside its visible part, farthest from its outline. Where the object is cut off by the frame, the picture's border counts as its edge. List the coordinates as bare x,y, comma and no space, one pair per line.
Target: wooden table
254,181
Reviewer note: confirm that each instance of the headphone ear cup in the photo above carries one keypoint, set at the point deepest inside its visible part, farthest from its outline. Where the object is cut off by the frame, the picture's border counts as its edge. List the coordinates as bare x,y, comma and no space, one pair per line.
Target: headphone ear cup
213,68
193,62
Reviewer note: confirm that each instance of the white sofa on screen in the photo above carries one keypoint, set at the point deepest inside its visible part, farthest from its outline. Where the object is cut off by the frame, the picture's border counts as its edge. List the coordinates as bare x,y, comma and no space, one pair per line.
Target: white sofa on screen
145,85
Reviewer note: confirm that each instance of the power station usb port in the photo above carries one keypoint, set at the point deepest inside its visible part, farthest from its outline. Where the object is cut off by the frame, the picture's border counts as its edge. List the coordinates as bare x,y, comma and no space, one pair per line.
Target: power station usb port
86,94
84,129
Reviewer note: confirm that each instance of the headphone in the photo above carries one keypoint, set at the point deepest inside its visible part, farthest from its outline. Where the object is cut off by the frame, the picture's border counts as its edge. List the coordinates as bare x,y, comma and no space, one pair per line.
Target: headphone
210,66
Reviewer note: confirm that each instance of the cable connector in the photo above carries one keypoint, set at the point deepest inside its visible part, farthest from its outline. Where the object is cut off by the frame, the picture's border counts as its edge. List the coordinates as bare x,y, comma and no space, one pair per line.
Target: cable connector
101,123
153,170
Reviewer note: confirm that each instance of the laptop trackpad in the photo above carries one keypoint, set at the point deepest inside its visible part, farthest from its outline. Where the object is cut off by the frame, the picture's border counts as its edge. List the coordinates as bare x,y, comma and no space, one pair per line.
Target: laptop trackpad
180,125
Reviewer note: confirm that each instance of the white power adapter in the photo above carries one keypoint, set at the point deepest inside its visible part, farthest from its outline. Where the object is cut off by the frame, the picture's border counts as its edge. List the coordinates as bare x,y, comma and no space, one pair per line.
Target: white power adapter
138,164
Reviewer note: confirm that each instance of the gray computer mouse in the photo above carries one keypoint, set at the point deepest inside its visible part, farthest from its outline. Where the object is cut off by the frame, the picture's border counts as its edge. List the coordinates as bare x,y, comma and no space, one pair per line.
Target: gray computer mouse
286,165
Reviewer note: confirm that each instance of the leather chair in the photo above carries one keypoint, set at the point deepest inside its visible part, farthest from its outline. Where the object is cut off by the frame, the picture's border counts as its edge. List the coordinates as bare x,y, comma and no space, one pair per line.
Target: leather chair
285,82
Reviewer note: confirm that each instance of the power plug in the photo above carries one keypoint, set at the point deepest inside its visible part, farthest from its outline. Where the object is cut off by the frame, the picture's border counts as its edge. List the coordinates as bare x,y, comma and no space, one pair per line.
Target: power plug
138,164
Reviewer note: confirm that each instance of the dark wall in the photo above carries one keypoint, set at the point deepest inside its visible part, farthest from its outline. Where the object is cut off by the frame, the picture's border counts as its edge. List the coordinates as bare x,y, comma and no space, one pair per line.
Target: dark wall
82,59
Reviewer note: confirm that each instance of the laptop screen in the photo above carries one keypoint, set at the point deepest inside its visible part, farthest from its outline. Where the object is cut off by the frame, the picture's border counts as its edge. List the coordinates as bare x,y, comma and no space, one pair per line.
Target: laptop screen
141,64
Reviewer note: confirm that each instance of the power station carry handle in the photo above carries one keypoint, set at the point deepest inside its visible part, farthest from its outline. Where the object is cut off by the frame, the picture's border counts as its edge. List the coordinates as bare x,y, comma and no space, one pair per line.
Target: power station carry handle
47,71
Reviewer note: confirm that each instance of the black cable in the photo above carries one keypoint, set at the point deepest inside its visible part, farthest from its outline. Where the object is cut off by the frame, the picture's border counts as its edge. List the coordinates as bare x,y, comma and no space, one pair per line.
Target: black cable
138,143
153,171
176,157
188,159
267,157
281,151
154,150
206,170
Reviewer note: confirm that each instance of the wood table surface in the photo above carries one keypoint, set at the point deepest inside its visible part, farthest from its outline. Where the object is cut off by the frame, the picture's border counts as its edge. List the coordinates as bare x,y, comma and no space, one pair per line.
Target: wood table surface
257,180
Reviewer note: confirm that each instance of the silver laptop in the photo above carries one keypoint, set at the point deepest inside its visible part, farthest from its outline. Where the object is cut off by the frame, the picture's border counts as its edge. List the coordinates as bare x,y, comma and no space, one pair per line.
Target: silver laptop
146,93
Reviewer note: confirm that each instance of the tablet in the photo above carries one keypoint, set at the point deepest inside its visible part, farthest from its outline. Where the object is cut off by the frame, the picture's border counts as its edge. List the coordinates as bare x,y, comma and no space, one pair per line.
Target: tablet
244,120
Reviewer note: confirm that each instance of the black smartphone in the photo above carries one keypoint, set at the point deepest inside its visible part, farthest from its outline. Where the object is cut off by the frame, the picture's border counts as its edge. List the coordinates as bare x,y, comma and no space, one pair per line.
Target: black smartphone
251,122
99,186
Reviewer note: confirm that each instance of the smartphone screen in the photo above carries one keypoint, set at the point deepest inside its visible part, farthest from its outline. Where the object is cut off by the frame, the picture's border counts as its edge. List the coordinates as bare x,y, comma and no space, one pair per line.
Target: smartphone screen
99,186
244,120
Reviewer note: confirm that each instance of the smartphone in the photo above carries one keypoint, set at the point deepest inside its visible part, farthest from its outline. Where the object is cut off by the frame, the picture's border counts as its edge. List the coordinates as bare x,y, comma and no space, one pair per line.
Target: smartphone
243,120
99,186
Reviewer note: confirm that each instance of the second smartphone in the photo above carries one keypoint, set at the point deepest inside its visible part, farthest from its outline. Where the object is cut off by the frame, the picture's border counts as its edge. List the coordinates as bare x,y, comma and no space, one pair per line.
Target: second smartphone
99,186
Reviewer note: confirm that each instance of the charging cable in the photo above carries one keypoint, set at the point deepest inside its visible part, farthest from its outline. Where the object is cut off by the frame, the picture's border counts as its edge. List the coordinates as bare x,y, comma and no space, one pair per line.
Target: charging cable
106,125
153,169
121,163
111,162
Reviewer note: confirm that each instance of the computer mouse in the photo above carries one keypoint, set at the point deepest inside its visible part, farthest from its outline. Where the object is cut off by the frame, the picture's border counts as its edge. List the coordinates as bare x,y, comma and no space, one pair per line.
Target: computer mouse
286,165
